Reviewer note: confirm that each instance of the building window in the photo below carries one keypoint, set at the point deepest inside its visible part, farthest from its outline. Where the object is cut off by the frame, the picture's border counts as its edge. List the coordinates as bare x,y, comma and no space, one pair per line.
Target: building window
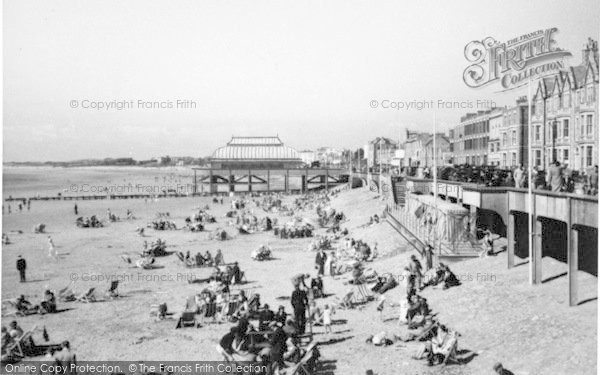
504,139
513,161
590,94
565,128
565,156
514,137
589,125
567,99
588,156
537,132
538,158
504,159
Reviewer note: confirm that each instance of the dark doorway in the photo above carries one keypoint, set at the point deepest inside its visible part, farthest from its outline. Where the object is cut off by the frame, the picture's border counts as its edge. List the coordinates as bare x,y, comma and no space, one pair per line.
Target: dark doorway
554,239
588,250
521,234
491,220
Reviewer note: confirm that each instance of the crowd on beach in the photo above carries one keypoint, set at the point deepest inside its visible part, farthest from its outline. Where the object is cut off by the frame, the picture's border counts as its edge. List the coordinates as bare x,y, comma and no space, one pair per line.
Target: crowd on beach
284,342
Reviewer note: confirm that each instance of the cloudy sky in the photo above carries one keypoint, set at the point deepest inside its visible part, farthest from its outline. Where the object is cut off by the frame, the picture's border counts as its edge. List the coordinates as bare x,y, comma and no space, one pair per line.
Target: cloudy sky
306,70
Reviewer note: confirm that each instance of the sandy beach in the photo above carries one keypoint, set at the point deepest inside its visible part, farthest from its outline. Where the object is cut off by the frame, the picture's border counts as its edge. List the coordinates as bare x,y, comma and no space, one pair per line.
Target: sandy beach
499,315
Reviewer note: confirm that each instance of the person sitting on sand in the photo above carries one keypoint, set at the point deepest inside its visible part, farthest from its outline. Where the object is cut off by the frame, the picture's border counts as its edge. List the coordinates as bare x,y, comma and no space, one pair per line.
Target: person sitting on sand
7,340
25,306
48,305
500,370
265,317
281,315
236,273
14,330
219,258
241,348
422,334
316,285
418,307
208,259
225,344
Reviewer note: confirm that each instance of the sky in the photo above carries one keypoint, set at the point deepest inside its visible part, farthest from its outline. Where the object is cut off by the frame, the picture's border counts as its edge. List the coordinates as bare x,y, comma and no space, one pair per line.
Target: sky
304,70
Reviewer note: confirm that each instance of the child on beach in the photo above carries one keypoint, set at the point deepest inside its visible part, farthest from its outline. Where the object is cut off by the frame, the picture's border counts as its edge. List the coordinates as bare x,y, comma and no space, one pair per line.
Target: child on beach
51,249
327,313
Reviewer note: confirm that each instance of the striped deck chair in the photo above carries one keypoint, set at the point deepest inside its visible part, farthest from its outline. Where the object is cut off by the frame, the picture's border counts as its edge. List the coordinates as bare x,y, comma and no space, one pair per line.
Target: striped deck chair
306,366
361,293
209,311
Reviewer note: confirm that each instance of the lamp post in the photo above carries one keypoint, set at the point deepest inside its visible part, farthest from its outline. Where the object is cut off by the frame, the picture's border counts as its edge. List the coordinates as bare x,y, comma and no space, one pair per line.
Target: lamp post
554,129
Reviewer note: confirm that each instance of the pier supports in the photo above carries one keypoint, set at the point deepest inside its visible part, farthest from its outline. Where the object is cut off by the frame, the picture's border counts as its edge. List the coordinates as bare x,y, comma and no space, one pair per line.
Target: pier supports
286,181
536,253
573,262
510,235
268,181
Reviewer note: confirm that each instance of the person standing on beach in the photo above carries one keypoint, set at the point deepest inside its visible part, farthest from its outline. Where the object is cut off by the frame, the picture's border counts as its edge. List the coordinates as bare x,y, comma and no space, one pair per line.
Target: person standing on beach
320,260
299,303
75,208
51,248
28,204
21,267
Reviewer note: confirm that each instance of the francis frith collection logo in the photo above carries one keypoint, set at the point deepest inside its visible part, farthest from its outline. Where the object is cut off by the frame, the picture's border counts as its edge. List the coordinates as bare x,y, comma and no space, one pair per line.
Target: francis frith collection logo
513,62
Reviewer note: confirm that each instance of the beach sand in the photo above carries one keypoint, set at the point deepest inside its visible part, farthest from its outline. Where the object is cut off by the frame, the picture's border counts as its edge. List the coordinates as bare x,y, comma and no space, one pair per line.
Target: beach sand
531,329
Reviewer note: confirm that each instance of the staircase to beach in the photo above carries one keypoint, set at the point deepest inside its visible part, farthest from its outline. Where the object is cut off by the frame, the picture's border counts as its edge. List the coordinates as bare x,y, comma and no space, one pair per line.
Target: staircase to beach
416,235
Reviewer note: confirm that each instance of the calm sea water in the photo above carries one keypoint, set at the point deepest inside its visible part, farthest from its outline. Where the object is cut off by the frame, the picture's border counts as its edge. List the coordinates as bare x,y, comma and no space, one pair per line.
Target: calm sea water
23,182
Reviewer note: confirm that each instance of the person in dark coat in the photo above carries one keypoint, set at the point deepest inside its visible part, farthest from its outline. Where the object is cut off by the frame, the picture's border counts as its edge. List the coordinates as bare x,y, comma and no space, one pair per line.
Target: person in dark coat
21,267
299,303
320,261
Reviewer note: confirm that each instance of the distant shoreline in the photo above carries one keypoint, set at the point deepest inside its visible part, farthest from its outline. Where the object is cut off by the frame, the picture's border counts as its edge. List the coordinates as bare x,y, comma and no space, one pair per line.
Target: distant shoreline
133,167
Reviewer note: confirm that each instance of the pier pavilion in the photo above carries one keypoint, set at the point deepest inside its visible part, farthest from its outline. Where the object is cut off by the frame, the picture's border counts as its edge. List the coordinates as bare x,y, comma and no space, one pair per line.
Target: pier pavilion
250,164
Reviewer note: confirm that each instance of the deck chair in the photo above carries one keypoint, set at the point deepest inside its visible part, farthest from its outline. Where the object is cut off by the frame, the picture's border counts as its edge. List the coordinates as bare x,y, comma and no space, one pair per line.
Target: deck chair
210,311
87,296
449,351
159,311
304,367
19,348
188,319
362,292
66,294
347,301
113,289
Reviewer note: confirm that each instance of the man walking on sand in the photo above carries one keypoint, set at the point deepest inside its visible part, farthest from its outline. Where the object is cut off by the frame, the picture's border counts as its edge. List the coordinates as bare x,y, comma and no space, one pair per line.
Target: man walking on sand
299,303
75,208
320,260
21,267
